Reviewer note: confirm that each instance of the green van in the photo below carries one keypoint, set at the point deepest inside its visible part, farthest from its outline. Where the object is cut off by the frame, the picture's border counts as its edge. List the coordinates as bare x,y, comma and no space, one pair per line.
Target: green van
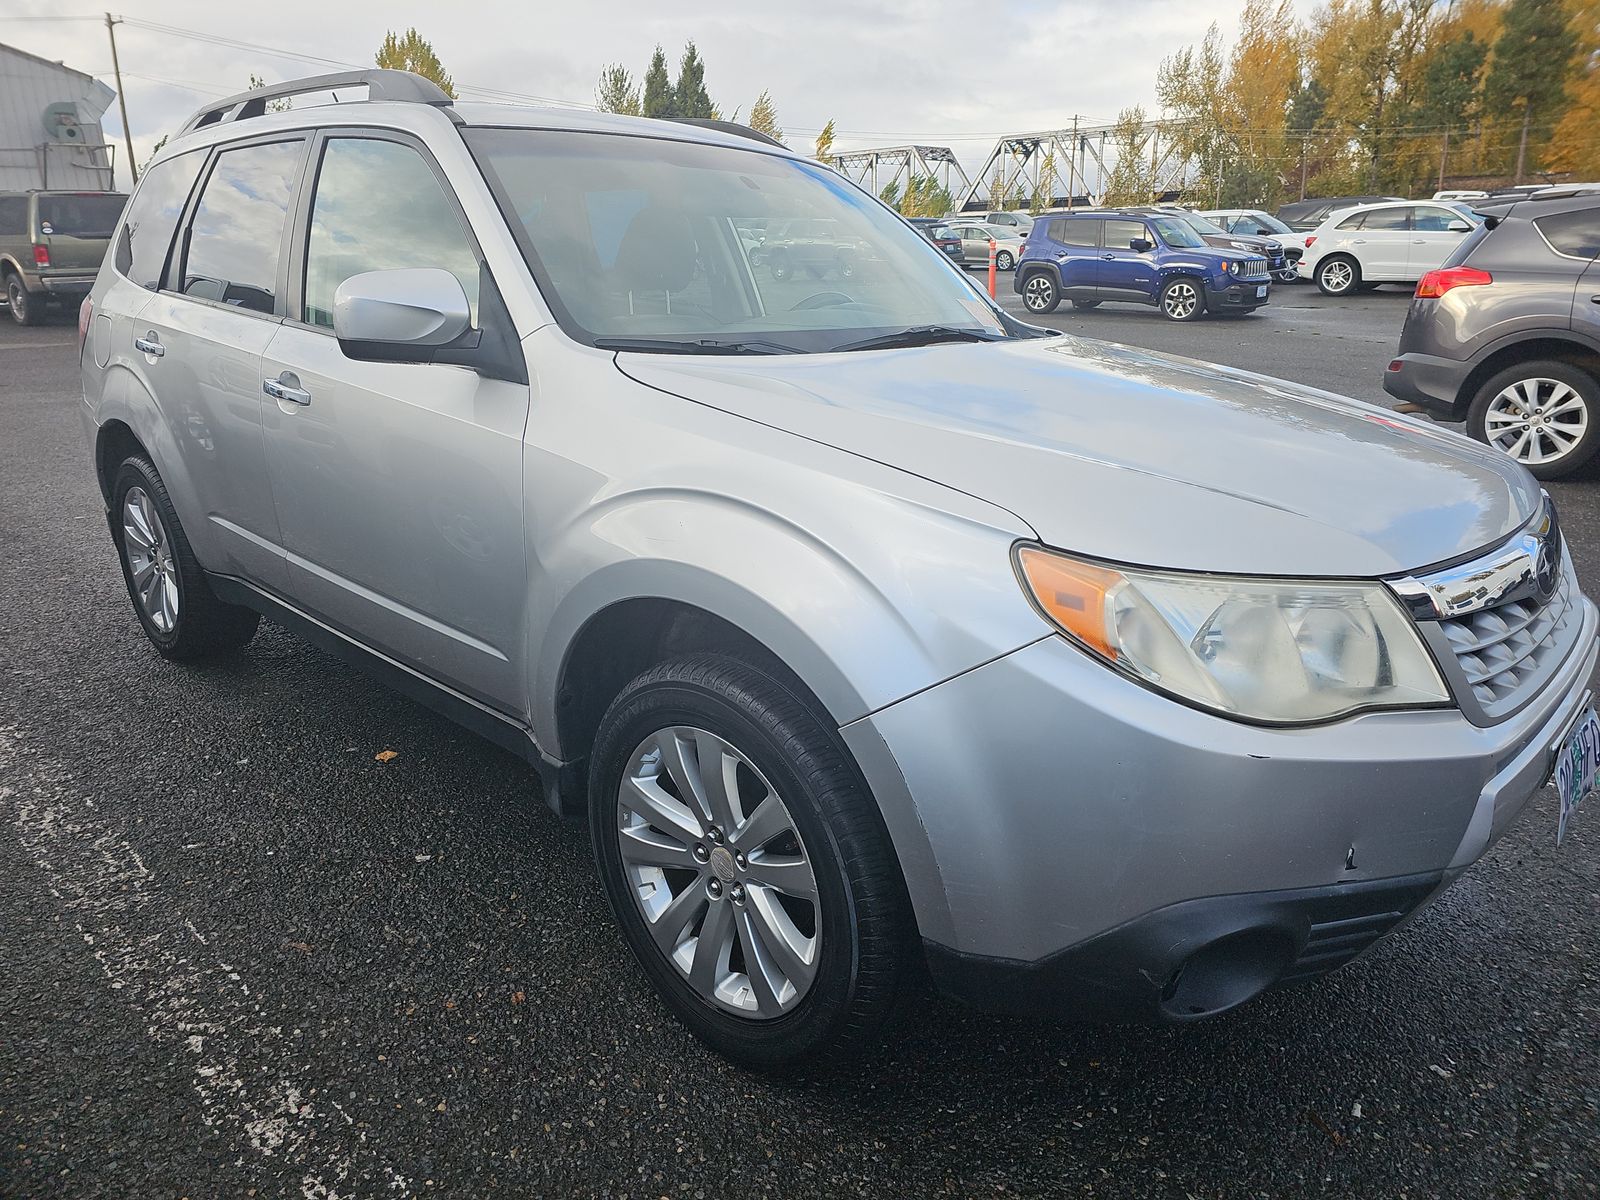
51,244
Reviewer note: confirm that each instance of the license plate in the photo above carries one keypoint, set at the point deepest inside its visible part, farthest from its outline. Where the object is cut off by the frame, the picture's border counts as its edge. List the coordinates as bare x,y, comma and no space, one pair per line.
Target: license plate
1577,758
1261,292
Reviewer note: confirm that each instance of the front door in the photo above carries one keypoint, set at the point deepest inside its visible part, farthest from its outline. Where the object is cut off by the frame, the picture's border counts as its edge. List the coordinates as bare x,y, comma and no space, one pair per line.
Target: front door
1436,231
1125,273
398,486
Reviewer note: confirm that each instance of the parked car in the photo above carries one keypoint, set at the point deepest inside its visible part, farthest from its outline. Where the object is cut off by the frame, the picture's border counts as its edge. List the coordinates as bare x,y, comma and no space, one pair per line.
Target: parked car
813,245
975,241
1133,255
1019,222
1357,249
1215,235
1252,222
933,228
51,245
823,614
1505,335
1305,215
1465,194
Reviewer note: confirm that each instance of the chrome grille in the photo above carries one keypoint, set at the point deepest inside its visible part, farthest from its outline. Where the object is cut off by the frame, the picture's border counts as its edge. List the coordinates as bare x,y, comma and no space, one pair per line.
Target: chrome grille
1510,647
1252,268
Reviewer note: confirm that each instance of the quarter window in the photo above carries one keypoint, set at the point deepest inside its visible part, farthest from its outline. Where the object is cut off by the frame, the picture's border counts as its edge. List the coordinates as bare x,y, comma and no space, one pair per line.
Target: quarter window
236,235
153,217
1354,222
1574,233
380,207
13,216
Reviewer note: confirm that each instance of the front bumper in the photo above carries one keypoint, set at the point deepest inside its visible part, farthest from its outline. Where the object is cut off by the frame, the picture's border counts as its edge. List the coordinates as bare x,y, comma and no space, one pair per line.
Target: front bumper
1238,295
1075,838
1432,383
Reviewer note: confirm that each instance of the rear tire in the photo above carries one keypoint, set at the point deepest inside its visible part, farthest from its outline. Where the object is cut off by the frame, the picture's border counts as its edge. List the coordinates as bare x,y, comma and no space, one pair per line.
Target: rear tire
1040,295
26,307
171,596
1543,413
824,1001
778,265
1338,275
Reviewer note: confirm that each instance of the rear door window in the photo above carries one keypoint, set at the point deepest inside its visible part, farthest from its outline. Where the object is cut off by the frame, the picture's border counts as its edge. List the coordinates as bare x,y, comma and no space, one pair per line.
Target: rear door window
153,218
1572,233
236,234
1075,233
1386,219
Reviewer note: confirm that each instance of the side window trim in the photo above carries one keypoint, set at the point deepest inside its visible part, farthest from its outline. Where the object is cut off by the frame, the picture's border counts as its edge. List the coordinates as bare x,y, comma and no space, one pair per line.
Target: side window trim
178,255
300,219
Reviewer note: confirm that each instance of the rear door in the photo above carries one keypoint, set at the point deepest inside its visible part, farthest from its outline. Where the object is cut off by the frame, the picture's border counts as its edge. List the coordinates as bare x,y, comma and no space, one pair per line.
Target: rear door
200,340
1075,247
1575,238
398,485
1125,273
1436,231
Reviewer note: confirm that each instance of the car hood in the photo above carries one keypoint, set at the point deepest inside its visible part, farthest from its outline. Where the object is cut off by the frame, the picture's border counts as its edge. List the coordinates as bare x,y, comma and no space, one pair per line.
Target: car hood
1135,456
1251,243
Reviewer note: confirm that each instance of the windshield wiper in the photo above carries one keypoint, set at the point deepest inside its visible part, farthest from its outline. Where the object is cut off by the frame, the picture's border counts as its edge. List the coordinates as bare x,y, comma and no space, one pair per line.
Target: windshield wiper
921,335
688,346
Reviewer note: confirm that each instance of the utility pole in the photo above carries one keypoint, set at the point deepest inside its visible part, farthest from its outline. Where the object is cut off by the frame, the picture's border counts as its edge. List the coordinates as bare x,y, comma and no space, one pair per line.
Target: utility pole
122,100
1305,148
1444,155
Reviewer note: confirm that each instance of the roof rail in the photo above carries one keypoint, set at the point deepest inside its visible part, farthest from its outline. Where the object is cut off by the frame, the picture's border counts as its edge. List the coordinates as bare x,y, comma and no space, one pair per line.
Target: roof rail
733,127
381,84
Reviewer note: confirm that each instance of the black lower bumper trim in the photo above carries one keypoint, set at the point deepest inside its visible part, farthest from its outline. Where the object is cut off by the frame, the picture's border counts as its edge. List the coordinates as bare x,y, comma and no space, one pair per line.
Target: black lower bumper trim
1192,959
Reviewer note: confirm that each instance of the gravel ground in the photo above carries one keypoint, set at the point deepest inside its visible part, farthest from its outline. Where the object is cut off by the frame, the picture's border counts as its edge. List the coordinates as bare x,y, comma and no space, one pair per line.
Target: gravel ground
241,957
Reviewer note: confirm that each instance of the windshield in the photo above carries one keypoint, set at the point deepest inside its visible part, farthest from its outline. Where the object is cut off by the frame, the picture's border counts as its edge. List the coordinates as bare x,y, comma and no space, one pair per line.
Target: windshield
1203,224
1261,220
1178,232
682,244
87,215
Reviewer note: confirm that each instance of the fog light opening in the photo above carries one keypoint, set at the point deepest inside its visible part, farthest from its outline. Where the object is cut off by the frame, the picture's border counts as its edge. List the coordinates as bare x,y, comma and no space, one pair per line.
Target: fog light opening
1226,973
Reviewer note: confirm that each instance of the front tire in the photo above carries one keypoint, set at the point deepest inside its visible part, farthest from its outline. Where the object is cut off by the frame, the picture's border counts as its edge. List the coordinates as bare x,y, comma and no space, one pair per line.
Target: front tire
1003,261
1182,299
175,605
1543,413
747,865
1338,275
1040,294
26,308
778,264
1085,305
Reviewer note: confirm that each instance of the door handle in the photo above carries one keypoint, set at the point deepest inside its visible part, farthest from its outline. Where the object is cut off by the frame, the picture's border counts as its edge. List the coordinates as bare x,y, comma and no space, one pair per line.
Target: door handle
1594,299
287,387
149,344
1108,258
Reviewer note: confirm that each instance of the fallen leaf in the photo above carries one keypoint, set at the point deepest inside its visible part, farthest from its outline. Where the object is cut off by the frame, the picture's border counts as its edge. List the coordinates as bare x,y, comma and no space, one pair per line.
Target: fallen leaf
517,997
440,1108
300,946
386,755
449,1003
1333,1135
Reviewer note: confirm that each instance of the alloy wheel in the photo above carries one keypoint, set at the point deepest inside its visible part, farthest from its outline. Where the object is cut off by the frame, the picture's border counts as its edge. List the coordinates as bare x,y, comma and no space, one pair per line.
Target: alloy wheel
1338,276
1180,301
1036,293
150,562
720,875
1537,421
1003,261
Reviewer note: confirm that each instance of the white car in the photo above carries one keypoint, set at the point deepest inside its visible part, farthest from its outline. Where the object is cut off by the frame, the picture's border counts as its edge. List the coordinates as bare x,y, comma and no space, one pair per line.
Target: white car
975,240
1252,222
1356,249
1020,223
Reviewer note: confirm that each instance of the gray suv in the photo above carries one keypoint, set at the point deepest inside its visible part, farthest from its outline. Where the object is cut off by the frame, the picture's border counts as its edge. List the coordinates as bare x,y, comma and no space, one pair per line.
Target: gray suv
865,626
1506,335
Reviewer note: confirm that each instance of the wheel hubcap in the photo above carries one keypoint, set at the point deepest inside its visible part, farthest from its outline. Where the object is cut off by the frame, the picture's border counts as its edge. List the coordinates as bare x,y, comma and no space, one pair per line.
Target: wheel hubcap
150,562
1337,276
1181,300
719,873
1037,292
1537,421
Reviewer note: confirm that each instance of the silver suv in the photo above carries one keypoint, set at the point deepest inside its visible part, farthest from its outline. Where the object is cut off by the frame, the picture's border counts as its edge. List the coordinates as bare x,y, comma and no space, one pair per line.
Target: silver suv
863,624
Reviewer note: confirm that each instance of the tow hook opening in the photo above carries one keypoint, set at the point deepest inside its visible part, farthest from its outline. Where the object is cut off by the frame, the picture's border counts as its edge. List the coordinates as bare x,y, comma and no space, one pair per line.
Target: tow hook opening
1226,973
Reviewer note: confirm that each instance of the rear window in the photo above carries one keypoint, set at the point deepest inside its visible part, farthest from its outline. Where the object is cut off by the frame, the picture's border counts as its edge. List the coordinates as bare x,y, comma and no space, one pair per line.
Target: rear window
89,215
1574,233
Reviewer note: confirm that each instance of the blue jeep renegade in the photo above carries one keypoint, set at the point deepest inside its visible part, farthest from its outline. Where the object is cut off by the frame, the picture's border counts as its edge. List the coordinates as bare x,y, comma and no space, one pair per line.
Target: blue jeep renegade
1107,254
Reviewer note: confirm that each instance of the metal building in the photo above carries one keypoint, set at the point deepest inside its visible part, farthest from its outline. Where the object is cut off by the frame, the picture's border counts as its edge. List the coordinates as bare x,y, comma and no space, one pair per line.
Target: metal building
50,134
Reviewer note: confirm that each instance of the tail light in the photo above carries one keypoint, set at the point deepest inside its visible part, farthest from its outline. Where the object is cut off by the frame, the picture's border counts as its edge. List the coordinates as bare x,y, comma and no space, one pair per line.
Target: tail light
41,256
1309,239
1436,283
85,315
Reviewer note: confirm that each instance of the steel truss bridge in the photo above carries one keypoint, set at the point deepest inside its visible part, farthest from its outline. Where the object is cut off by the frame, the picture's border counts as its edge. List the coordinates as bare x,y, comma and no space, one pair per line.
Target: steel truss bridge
1064,167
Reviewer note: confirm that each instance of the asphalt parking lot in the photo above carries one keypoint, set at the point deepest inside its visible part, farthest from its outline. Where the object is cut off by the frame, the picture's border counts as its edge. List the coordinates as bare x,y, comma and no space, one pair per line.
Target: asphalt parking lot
242,957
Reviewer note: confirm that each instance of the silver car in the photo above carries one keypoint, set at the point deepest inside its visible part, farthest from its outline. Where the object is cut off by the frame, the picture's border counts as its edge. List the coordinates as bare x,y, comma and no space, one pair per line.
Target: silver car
862,623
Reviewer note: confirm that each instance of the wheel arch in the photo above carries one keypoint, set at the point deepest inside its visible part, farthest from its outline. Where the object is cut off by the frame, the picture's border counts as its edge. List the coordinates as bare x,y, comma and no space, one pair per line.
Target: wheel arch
1570,350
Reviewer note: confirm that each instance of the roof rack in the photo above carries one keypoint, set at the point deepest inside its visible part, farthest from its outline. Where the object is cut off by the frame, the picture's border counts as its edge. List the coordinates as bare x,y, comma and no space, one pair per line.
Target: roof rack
733,127
381,84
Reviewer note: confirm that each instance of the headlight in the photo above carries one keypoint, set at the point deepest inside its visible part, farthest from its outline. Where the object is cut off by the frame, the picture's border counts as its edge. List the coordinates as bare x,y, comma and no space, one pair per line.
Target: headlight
1273,650
1234,267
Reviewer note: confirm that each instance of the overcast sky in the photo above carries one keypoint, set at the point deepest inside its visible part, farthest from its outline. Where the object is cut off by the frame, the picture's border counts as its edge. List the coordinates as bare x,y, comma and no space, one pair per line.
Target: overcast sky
950,72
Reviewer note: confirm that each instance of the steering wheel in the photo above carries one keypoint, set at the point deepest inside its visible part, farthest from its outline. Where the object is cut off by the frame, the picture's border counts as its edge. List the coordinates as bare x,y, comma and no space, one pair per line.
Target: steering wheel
822,300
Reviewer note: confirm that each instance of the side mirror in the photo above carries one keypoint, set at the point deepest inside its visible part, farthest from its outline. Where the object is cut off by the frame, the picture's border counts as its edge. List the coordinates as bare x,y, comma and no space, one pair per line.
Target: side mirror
405,315
1141,245
1459,227
1263,231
